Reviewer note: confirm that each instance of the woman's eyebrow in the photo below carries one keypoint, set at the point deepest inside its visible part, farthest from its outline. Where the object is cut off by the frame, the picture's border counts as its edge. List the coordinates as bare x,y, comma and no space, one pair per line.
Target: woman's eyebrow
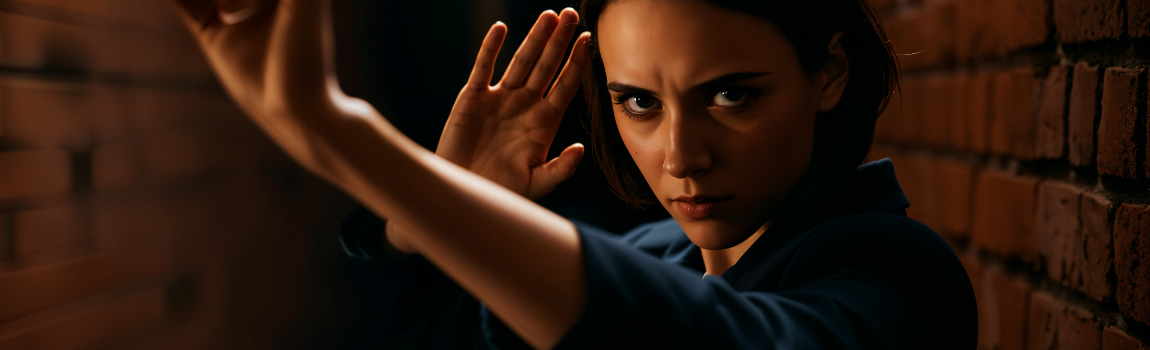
726,79
628,89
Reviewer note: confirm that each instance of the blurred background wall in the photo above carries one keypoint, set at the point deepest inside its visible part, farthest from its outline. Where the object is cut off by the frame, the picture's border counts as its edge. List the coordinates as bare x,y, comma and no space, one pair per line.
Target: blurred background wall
139,209
1022,139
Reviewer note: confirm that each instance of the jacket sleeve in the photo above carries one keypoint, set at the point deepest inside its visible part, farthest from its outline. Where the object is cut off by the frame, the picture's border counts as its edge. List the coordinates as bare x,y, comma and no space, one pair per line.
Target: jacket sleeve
412,305
637,301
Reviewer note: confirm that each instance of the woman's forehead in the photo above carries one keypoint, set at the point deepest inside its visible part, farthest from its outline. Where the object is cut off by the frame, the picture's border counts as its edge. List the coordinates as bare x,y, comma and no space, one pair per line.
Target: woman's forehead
648,42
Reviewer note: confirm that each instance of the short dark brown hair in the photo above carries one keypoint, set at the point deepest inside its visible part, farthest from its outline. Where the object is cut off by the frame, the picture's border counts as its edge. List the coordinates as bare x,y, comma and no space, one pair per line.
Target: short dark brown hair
843,135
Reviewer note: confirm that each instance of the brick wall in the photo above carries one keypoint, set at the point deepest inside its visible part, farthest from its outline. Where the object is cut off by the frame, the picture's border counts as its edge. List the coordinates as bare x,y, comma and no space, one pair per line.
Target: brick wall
1022,139
138,207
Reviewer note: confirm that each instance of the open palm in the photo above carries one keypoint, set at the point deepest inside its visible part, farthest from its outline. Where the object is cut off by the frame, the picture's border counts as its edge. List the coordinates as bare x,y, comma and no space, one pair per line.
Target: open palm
503,132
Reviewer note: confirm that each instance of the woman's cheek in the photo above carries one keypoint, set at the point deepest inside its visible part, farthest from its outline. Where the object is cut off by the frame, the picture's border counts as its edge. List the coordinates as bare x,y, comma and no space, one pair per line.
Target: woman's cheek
642,145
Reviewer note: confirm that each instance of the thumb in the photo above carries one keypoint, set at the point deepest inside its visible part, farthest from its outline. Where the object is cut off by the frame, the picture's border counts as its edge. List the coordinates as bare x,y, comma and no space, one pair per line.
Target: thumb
550,174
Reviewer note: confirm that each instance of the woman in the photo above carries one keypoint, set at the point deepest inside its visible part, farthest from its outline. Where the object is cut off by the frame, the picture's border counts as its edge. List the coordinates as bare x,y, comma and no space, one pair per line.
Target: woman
746,120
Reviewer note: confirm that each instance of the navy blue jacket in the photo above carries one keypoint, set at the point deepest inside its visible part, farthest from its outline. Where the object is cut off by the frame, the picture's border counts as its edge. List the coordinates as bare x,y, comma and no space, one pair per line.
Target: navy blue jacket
844,268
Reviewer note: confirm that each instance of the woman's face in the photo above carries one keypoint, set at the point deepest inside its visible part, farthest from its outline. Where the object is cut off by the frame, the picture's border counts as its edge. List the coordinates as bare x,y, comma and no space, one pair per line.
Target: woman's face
714,108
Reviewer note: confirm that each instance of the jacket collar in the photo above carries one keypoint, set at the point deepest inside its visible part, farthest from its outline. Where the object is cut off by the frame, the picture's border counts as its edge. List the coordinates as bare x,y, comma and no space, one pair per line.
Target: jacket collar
872,188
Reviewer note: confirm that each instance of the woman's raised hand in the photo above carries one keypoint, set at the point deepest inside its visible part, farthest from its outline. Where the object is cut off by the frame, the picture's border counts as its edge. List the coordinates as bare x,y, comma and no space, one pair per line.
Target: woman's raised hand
503,132
274,57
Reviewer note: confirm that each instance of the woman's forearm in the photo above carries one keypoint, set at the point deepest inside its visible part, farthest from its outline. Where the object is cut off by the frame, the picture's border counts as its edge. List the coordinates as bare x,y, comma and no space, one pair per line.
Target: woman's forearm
523,261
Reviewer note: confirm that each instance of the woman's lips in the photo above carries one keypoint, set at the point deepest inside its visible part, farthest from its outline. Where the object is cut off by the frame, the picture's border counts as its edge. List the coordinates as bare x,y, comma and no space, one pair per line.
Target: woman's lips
700,207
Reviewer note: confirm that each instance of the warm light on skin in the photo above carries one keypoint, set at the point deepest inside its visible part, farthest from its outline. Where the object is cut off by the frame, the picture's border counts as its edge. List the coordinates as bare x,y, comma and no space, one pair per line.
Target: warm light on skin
688,143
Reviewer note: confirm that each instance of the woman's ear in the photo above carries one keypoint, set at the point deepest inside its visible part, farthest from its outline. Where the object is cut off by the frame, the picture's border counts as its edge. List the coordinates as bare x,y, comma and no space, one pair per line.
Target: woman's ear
835,74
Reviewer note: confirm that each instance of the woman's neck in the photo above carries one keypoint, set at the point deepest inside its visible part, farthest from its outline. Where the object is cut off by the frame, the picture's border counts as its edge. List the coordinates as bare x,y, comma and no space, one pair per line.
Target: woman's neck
718,261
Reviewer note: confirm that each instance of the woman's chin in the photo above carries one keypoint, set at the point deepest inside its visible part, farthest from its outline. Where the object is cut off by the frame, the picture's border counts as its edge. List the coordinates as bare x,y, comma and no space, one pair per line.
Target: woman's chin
715,235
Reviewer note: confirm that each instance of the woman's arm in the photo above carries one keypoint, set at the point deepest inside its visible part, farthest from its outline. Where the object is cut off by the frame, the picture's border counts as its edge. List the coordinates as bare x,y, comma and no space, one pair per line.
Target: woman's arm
523,261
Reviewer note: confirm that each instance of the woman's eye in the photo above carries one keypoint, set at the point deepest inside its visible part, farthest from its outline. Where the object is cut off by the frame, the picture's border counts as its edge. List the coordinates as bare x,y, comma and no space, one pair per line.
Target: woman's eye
640,104
730,98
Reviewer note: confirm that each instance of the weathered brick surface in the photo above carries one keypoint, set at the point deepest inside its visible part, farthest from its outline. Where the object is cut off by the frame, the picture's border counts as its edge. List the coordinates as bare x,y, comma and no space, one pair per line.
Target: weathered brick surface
32,290
979,100
93,326
25,174
1052,115
116,165
1012,130
37,117
1004,212
1055,325
1136,14
1020,23
1088,20
1002,311
38,230
1082,114
1116,339
1096,252
1074,238
138,49
1116,137
953,181
5,240
1131,257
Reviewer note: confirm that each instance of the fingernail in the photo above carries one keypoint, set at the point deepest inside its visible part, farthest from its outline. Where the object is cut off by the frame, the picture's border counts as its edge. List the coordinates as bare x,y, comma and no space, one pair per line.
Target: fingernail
238,16
498,23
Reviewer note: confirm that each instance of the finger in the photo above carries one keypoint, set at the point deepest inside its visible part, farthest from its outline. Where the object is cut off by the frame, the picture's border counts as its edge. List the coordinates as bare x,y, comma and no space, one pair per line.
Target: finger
235,11
553,54
550,174
571,76
488,52
525,57
197,14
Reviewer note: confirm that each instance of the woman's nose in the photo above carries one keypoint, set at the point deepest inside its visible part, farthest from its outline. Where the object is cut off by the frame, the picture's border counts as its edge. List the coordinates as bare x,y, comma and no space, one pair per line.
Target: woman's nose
687,153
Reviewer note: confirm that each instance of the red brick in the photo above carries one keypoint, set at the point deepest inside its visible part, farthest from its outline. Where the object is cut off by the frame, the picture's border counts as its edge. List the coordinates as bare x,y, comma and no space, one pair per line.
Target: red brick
174,155
1019,24
1083,114
979,99
28,291
958,117
1116,339
1059,227
925,34
1052,115
1002,311
1097,247
134,48
1054,324
1074,238
95,325
1137,11
973,268
953,181
1088,20
25,174
1131,258
1012,131
116,165
975,34
5,240
43,117
1116,146
43,229
121,224
1004,215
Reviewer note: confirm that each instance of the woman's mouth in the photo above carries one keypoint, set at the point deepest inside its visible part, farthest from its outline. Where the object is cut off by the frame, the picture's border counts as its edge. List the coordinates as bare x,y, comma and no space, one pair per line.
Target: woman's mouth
699,206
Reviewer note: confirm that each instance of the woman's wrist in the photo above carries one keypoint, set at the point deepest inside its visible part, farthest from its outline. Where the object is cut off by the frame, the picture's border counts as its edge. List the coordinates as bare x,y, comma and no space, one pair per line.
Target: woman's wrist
394,237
